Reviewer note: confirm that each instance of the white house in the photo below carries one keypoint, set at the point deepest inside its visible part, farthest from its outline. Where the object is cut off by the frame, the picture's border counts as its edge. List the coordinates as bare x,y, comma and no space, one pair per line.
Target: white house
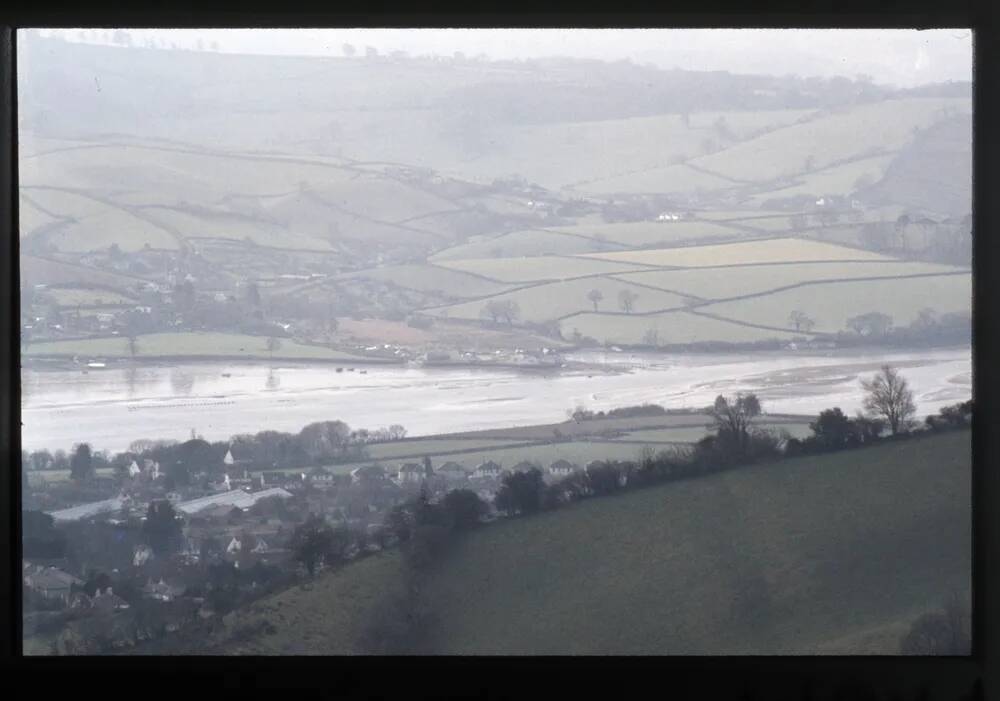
562,468
411,473
133,469
228,460
524,466
453,472
488,470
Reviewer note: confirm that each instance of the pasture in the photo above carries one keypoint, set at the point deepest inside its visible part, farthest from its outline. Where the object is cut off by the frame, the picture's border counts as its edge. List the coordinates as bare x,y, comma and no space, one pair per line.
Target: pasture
187,344
670,328
546,302
831,304
777,250
826,140
650,233
831,554
708,283
540,268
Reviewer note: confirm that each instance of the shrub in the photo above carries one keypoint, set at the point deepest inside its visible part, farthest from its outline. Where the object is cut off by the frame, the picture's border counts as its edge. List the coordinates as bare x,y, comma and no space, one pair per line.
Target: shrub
944,632
521,493
464,508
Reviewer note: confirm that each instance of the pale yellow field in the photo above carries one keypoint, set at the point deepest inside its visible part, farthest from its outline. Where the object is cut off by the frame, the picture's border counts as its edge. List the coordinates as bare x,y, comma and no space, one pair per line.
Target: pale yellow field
738,281
538,268
554,300
831,304
652,233
671,327
782,250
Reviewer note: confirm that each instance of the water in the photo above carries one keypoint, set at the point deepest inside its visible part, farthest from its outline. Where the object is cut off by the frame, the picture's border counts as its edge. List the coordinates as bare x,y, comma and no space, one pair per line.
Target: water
111,408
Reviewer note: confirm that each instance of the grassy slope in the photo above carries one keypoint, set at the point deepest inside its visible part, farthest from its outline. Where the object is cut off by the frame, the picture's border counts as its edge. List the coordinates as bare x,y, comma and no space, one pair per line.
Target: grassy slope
830,554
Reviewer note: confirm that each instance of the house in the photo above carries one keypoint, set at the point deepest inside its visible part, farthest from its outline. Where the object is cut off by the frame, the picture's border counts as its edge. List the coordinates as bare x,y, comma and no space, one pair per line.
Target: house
411,473
229,460
368,474
562,468
50,582
453,473
133,469
487,470
108,602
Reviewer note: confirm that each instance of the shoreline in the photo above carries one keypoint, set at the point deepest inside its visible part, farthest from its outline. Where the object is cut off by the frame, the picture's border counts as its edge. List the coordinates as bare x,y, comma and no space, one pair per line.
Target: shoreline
64,363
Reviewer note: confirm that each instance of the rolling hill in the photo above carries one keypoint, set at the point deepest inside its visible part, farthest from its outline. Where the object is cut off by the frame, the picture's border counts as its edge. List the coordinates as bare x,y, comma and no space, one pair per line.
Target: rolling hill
834,554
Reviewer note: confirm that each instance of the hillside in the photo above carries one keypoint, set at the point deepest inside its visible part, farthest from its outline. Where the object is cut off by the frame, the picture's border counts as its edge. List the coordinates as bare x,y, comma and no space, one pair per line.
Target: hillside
821,555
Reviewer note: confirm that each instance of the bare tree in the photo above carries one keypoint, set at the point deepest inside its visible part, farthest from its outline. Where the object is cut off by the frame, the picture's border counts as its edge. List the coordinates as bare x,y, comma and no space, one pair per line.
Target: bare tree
595,296
890,397
651,337
626,298
734,417
133,346
801,321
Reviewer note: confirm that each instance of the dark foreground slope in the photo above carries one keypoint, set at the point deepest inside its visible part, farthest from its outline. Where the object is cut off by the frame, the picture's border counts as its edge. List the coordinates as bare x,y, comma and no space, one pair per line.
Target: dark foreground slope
828,554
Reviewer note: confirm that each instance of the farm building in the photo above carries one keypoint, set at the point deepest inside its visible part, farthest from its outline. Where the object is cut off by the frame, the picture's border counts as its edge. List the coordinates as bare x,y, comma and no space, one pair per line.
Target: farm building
233,498
82,511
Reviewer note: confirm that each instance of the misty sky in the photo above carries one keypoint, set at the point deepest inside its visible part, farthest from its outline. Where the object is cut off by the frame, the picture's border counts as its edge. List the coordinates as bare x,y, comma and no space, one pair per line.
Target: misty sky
902,57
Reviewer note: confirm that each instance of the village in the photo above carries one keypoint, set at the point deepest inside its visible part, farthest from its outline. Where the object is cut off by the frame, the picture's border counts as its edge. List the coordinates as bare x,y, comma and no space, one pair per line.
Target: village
119,582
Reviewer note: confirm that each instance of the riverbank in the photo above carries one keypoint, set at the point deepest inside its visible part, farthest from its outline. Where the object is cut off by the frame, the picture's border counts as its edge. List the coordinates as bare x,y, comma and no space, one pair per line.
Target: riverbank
114,406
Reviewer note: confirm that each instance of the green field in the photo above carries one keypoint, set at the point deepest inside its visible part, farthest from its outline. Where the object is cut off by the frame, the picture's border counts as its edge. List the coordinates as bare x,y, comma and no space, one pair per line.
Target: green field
183,344
676,179
433,278
434,446
854,133
833,554
672,328
777,250
836,180
754,279
692,434
35,270
539,268
831,304
76,296
523,243
541,303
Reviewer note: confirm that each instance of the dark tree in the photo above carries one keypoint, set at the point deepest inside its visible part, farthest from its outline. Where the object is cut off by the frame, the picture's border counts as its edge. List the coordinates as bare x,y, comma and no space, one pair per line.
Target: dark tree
312,542
39,536
604,479
162,528
81,465
734,420
832,430
521,492
464,508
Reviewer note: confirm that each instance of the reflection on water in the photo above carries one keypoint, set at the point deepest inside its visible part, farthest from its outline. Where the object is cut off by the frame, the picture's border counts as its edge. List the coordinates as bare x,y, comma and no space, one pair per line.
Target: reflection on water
273,381
181,381
223,400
